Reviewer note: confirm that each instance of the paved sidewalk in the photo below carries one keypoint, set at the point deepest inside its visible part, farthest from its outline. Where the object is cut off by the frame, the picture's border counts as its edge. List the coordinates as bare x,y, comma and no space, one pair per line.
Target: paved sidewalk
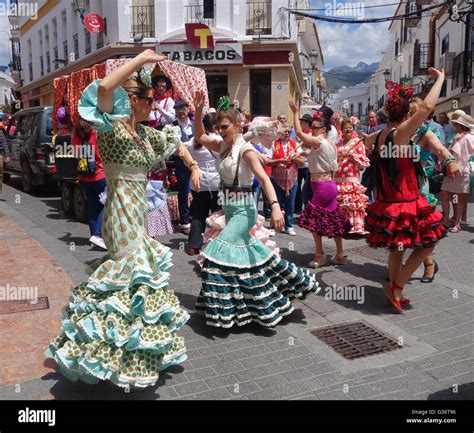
286,362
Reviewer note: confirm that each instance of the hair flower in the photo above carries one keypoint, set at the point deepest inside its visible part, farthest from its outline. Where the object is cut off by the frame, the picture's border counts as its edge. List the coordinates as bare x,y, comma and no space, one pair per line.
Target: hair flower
144,75
354,120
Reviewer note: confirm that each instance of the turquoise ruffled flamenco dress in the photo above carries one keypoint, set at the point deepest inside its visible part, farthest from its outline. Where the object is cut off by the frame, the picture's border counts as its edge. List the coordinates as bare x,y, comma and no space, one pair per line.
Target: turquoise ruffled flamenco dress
121,325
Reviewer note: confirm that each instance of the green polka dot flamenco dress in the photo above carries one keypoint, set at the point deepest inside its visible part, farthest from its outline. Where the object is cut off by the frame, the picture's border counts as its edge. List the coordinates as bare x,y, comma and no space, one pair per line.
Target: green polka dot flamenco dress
121,325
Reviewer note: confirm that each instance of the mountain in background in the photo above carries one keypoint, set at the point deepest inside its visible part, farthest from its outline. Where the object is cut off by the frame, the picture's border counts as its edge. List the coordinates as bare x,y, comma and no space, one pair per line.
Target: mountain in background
347,76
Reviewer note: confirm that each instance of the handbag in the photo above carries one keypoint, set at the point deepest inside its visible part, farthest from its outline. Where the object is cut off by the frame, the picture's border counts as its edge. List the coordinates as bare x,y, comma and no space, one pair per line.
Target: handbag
86,165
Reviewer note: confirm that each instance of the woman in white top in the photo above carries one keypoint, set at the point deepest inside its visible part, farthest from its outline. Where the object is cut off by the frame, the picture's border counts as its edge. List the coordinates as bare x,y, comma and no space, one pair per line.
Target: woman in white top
322,215
243,281
205,200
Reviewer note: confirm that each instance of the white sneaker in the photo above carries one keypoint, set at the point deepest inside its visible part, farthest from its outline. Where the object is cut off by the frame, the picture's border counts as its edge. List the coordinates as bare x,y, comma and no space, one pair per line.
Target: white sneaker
98,242
271,232
290,231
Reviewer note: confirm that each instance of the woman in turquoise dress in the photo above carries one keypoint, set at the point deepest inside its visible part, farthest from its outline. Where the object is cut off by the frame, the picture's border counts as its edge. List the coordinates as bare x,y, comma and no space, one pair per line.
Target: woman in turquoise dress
121,325
428,145
243,281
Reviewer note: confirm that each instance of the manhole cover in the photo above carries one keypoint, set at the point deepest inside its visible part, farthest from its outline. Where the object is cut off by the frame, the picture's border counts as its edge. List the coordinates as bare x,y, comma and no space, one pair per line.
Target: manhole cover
356,340
10,307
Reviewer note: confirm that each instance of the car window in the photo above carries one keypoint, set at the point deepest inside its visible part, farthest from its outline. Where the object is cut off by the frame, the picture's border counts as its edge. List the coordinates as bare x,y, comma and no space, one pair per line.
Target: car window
35,118
49,123
25,126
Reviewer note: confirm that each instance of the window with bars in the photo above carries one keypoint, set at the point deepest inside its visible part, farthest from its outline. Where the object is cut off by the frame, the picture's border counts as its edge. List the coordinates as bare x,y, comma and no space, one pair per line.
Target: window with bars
142,19
87,36
65,52
56,56
48,62
30,70
259,17
201,13
41,65
100,40
75,40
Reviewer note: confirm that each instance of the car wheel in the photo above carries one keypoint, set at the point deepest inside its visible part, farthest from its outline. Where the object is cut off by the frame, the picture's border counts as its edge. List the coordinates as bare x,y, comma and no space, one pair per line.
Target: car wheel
79,204
27,177
67,193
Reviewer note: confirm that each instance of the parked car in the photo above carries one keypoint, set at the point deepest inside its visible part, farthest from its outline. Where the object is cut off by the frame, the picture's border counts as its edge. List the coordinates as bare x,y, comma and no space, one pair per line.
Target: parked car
29,138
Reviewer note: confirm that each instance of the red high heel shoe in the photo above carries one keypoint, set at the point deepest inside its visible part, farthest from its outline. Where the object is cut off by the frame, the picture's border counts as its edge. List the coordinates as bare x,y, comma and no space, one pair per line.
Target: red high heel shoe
396,303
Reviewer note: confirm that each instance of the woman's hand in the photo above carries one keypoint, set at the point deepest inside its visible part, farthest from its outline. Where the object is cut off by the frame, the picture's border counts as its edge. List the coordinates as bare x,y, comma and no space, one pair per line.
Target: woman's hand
436,73
199,100
453,170
151,56
293,107
278,222
196,177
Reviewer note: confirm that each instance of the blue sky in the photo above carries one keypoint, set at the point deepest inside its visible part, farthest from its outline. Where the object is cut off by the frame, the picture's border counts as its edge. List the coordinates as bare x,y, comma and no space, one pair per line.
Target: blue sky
348,44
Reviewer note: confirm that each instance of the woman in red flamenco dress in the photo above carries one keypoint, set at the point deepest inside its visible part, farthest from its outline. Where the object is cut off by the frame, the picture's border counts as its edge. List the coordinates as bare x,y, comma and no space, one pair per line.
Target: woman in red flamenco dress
401,218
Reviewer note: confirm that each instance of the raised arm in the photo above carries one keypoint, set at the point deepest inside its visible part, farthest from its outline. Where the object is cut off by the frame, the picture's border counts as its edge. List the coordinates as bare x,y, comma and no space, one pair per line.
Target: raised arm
199,132
307,139
409,126
109,83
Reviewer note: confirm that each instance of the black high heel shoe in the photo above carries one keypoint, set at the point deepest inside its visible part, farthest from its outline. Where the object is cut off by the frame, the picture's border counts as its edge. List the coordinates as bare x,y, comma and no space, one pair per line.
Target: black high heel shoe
430,279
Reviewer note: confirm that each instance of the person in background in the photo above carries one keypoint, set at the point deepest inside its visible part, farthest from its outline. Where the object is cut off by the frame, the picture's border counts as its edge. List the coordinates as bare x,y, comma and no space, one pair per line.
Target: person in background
163,110
322,216
449,131
182,172
85,140
327,113
351,160
462,149
303,191
436,127
4,155
285,160
372,122
204,201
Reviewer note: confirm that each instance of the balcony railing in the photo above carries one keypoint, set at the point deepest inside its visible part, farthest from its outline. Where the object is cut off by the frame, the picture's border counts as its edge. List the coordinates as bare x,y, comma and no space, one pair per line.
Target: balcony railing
41,65
87,36
259,18
142,21
48,63
421,58
75,40
462,70
30,70
65,53
200,14
55,54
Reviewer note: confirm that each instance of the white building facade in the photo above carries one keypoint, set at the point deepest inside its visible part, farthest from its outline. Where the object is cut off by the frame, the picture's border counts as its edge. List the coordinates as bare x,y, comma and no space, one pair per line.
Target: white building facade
429,40
275,57
352,101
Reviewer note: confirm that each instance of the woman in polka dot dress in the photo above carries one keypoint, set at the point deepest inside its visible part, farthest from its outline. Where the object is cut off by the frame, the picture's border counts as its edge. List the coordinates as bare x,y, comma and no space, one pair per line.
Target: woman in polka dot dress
351,160
121,325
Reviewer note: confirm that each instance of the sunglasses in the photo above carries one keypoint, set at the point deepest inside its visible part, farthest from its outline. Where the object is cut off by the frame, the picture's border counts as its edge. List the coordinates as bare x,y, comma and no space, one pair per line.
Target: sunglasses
148,99
161,86
316,127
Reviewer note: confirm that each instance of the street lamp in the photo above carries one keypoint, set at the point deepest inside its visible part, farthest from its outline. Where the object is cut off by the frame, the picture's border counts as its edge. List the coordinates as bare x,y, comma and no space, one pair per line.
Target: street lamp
386,74
80,7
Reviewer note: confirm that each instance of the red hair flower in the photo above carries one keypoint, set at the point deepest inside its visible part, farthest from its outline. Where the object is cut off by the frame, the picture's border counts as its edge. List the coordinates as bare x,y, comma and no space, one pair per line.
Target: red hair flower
404,92
317,115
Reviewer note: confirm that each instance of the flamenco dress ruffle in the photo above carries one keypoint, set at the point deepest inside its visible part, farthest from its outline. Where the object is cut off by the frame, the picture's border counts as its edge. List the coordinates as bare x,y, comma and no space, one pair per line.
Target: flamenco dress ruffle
324,222
402,225
216,223
244,281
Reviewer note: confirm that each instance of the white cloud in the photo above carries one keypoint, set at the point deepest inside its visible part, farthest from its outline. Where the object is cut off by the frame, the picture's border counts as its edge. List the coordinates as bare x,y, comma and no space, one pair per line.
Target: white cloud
5,44
349,44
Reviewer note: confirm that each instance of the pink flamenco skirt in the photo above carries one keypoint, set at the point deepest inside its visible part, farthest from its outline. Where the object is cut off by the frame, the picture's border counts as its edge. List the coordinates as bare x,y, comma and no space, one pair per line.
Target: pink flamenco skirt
216,223
402,225
352,199
322,215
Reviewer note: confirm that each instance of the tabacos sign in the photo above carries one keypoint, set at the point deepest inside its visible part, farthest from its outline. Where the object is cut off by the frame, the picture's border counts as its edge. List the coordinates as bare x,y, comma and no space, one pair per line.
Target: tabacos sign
201,48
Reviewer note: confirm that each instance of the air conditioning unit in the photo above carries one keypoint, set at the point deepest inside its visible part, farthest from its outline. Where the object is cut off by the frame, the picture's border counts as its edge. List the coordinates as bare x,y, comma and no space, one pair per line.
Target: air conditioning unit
446,62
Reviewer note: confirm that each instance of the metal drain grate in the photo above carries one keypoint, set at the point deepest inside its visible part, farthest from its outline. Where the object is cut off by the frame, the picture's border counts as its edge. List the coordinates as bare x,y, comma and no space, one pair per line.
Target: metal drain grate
356,340
10,307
